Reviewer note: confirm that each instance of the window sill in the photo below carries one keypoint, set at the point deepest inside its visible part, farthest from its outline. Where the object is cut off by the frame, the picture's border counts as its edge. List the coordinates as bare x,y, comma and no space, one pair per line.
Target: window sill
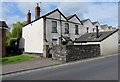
76,34
54,32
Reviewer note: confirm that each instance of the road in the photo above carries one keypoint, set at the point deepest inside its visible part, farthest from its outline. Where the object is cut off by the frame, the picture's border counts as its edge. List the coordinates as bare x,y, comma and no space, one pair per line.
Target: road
98,69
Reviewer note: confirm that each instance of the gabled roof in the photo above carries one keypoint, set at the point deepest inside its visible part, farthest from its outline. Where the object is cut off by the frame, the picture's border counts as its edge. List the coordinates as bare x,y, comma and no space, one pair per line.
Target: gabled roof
91,37
3,24
103,26
47,15
71,16
83,21
94,23
110,27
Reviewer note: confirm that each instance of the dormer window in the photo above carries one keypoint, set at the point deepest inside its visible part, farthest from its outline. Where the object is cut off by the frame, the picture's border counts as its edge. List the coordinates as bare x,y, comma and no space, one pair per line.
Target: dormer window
76,30
66,28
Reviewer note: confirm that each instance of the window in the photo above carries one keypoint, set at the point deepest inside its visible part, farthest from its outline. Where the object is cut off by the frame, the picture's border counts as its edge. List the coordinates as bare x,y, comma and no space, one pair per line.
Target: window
66,28
54,26
93,29
54,41
76,30
87,29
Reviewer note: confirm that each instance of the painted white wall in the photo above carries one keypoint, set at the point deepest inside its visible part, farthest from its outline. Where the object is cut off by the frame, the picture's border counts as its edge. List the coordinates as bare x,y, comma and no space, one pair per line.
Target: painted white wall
33,36
110,45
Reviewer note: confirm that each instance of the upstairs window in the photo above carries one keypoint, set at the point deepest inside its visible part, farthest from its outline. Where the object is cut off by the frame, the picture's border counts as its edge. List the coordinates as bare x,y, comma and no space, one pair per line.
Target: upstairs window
76,30
66,28
54,26
87,29
93,29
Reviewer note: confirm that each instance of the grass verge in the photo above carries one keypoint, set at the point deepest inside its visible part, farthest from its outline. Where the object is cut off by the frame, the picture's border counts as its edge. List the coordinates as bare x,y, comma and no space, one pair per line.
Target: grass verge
16,59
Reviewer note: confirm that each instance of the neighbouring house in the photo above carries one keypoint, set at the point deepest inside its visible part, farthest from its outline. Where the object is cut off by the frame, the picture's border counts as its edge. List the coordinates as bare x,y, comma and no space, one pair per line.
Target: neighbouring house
3,28
88,25
97,24
108,41
106,28
39,35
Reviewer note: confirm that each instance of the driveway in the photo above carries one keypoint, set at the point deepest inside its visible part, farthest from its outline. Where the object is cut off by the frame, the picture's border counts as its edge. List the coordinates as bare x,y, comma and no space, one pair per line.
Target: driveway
33,64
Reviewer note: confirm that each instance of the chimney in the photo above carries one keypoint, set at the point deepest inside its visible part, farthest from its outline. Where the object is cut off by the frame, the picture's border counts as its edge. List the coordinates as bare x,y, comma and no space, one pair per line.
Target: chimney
97,32
28,17
37,11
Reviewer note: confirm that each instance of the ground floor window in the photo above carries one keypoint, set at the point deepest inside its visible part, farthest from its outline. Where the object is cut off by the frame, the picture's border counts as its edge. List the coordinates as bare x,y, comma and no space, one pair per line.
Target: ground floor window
54,41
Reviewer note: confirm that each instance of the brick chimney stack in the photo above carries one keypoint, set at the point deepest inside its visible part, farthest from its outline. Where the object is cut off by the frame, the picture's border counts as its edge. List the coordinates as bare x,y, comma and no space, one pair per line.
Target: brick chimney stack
97,32
37,11
28,17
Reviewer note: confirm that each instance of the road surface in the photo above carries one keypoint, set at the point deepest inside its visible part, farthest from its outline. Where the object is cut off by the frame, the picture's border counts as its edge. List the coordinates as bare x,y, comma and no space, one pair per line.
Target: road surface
98,69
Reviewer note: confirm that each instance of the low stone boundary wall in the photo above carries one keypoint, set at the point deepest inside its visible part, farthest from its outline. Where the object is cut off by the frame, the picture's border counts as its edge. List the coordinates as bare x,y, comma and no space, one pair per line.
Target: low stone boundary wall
75,52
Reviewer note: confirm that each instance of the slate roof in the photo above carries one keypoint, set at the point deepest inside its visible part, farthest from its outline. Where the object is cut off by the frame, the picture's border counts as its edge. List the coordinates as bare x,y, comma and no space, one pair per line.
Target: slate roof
67,38
103,26
94,23
84,20
68,17
3,24
91,37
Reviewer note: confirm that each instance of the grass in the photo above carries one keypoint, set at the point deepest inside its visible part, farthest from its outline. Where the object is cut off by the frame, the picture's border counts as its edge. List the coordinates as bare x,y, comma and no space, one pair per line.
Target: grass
16,59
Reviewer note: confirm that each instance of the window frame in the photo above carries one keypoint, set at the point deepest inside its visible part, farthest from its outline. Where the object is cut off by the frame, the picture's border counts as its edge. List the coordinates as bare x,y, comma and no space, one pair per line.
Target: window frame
76,30
54,29
66,28
53,41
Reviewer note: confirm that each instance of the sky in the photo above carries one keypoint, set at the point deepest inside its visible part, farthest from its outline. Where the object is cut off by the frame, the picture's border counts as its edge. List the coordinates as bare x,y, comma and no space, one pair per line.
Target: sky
103,12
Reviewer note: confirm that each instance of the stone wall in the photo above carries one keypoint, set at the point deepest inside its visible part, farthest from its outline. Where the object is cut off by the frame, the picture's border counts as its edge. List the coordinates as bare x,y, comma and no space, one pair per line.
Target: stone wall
75,52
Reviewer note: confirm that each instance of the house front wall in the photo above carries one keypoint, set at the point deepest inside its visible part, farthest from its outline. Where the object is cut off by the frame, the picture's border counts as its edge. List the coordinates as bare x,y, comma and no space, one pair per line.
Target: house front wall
33,37
61,27
89,24
110,45
99,27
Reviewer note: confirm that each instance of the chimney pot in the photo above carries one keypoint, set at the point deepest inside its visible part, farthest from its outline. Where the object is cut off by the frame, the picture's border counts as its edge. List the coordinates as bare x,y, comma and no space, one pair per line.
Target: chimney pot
37,11
28,17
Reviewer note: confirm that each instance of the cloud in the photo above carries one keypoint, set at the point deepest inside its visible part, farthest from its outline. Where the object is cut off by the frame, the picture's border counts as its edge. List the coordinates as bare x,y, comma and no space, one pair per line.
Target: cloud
9,13
69,8
105,13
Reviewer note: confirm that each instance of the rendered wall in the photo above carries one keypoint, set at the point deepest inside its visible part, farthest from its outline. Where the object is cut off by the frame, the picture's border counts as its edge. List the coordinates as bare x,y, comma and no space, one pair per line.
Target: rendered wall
110,45
33,37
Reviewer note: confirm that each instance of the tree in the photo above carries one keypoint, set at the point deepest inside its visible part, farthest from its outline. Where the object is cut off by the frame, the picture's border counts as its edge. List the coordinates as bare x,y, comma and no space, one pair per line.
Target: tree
17,29
13,37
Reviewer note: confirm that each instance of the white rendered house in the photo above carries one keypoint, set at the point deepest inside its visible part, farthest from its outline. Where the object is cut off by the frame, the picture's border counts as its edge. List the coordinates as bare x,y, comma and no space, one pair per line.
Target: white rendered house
88,25
51,29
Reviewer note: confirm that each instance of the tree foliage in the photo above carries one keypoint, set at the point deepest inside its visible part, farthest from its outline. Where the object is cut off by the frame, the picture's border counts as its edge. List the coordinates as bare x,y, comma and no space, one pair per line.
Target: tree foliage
17,29
14,36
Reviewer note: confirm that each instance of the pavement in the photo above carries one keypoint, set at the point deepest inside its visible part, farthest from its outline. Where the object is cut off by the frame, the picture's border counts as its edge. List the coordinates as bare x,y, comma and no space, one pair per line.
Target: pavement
29,65
102,68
